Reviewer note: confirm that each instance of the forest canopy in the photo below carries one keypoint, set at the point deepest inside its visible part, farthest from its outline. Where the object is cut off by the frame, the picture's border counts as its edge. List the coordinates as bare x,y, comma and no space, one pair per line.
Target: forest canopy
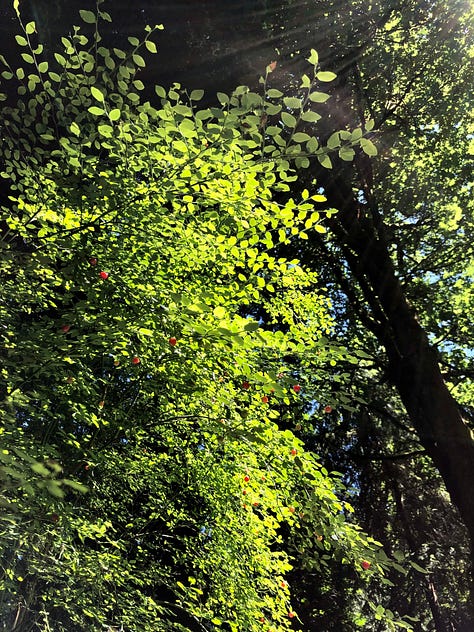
236,344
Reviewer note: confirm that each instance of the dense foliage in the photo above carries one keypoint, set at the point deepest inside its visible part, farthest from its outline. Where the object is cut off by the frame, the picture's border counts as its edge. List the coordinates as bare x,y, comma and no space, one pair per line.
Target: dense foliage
151,476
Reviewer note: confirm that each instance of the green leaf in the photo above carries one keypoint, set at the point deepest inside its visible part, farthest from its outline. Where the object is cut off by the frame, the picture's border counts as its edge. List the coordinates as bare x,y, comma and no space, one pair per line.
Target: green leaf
138,60
60,59
180,146
114,114
145,332
325,76
105,130
223,98
54,489
78,487
273,93
105,16
272,109
302,162
288,119
305,81
313,58
97,94
109,62
21,41
312,145
96,111
292,103
319,97
28,58
301,137
39,468
88,16
30,27
369,126
325,161
418,568
346,153
196,95
150,46
220,312
310,117
368,147
334,140
120,53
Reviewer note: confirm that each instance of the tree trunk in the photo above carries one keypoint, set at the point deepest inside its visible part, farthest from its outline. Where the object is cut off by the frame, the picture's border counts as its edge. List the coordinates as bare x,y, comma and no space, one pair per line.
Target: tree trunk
413,364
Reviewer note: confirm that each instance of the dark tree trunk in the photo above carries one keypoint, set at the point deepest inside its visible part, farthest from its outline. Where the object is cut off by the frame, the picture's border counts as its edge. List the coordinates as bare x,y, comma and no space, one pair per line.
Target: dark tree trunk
413,363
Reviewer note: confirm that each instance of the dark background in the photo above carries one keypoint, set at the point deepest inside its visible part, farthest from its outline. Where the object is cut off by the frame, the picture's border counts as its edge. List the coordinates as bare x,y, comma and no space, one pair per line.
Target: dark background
209,44
206,44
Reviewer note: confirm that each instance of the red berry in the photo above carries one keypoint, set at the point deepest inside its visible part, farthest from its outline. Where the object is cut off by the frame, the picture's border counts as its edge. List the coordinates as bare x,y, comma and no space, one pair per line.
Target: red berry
265,399
283,584
246,385
87,467
101,404
328,409
244,492
135,360
297,388
255,504
93,261
66,328
365,565
262,619
293,452
104,275
172,341
291,509
116,362
291,614
54,517
246,479
70,380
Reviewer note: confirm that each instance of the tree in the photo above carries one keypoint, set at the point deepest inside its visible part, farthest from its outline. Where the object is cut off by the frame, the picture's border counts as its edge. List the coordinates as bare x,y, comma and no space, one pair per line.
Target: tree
400,247
144,468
